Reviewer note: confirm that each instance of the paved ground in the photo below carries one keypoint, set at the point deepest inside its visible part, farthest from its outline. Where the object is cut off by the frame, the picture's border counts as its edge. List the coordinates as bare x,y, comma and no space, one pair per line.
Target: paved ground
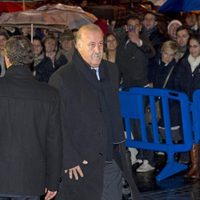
173,188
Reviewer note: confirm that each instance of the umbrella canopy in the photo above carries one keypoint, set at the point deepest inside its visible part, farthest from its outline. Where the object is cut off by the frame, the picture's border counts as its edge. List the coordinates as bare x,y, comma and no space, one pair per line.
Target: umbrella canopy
58,15
180,5
13,6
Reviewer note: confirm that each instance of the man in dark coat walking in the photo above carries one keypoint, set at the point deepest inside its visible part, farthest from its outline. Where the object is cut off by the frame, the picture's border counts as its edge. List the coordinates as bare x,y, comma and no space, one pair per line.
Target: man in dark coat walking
91,121
30,137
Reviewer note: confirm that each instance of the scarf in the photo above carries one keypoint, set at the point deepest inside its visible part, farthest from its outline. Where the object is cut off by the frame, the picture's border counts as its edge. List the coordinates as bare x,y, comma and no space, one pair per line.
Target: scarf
38,59
194,62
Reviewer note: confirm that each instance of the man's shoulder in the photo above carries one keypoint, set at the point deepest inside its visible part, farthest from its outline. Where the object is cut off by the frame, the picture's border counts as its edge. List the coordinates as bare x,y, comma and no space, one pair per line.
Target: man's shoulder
47,89
31,89
63,76
64,69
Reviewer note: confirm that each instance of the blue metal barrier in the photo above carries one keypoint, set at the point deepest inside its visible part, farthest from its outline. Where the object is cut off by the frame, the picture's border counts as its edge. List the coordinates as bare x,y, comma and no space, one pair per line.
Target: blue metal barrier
195,107
133,108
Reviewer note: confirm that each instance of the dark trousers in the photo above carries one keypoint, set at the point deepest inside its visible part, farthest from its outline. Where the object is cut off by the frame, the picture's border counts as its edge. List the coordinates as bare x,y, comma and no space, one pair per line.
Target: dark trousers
18,197
112,186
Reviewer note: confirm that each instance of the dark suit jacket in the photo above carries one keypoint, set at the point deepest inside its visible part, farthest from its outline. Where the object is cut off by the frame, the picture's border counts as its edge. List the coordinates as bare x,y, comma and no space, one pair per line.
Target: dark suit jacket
133,65
85,126
30,137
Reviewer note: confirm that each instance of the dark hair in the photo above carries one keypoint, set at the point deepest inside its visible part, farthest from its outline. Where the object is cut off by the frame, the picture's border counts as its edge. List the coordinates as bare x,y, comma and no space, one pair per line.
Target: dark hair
105,41
183,27
40,40
50,37
151,13
196,37
19,50
109,34
132,17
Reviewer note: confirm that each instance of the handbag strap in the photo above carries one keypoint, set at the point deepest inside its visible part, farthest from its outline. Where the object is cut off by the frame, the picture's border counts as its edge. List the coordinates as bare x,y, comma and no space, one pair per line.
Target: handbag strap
168,75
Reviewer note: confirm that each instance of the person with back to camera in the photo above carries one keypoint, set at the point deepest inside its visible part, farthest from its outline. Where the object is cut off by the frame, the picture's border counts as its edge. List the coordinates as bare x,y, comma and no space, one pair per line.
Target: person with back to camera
30,138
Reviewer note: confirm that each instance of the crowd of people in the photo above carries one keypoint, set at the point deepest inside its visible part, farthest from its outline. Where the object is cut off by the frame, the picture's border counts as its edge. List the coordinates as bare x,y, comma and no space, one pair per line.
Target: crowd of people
66,137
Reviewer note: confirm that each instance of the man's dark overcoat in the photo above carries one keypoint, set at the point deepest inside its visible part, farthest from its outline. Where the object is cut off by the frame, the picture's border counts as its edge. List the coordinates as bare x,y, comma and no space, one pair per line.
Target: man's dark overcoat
85,126
30,137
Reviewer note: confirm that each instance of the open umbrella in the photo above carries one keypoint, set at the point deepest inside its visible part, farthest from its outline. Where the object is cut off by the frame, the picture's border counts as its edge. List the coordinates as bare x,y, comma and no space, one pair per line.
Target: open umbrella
180,5
19,5
58,15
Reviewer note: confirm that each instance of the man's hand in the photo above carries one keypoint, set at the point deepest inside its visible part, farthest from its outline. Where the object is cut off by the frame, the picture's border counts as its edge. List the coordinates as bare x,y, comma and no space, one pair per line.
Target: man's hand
76,172
50,194
134,38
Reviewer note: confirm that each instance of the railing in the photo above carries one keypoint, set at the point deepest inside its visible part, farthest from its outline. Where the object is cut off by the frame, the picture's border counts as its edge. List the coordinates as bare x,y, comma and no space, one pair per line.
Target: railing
133,104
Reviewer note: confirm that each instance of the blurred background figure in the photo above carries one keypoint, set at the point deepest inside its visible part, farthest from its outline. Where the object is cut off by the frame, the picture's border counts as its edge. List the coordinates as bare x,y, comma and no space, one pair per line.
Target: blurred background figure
132,59
191,21
26,31
182,37
110,50
3,39
67,44
198,24
74,31
42,66
51,51
150,30
172,27
187,80
162,64
102,23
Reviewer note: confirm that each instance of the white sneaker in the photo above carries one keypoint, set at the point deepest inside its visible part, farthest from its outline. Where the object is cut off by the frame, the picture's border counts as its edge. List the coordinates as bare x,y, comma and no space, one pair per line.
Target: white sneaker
160,153
145,167
137,161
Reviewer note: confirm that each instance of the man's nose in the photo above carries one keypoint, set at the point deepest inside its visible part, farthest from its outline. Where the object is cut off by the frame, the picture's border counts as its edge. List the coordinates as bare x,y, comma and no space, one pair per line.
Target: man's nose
98,48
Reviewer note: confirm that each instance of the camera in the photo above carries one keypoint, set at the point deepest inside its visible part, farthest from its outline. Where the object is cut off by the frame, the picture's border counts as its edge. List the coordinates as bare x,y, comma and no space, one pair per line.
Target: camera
131,28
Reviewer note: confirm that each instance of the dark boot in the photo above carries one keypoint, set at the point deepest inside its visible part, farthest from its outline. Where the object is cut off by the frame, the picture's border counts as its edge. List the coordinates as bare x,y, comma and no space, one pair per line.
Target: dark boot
194,169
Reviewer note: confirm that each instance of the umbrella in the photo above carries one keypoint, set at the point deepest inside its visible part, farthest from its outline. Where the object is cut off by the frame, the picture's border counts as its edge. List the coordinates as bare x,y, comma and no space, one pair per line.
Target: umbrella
57,16
180,5
19,5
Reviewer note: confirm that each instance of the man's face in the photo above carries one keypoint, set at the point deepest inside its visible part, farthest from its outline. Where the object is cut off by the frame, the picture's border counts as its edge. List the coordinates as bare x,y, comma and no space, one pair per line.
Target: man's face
149,21
182,38
67,45
2,42
133,25
191,20
90,46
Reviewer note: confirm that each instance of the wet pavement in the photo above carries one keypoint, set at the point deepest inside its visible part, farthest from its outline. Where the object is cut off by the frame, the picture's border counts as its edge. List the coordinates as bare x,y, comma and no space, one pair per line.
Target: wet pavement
173,188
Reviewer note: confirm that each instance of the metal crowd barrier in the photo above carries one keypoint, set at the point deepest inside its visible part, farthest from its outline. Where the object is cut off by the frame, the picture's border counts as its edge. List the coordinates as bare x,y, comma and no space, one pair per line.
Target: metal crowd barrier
133,103
195,108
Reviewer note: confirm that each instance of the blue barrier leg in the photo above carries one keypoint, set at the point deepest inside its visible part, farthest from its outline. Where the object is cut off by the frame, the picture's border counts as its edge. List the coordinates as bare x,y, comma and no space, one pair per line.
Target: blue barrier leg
172,167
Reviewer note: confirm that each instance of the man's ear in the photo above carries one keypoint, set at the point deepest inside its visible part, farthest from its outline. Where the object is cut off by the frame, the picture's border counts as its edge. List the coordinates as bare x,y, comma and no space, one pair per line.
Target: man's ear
7,61
78,45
